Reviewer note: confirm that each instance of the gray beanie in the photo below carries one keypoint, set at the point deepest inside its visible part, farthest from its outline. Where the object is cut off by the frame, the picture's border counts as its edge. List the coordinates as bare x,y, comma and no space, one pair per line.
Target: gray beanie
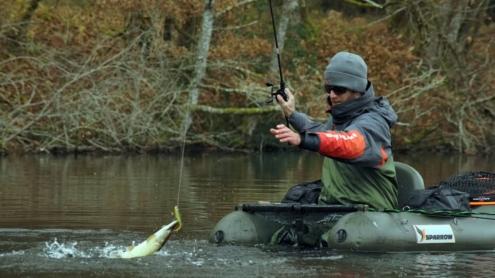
347,70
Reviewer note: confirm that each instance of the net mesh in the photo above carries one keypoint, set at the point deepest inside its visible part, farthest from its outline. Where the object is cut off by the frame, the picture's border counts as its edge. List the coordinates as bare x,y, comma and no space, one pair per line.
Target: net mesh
480,185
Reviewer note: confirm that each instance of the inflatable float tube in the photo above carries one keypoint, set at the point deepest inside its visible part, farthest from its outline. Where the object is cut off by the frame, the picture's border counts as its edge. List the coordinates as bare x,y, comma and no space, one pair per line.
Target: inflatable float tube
357,228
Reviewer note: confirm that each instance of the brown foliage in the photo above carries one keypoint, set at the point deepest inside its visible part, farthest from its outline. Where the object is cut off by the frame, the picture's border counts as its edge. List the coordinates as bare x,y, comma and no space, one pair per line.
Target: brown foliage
113,75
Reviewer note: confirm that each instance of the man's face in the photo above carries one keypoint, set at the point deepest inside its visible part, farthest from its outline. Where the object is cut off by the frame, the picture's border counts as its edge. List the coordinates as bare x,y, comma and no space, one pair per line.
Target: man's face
338,95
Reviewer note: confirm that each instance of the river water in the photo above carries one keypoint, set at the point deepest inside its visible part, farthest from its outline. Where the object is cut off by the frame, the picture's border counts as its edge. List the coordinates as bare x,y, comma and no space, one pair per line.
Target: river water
65,216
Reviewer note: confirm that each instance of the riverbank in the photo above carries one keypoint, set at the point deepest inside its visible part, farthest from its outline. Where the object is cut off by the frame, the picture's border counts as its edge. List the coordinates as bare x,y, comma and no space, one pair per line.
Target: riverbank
78,78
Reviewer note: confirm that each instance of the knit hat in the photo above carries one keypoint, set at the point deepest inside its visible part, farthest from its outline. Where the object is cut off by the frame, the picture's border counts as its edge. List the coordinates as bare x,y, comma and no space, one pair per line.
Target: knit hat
347,70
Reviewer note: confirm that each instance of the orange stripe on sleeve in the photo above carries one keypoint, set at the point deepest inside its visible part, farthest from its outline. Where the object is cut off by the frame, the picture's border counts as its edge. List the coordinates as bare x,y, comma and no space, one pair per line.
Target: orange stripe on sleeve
342,144
384,157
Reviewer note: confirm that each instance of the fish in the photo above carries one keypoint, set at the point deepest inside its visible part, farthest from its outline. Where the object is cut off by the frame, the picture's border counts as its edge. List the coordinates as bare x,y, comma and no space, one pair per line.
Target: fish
155,241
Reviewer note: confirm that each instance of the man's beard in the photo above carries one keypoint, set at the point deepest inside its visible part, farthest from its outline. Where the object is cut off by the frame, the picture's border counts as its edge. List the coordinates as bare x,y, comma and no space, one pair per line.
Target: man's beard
329,102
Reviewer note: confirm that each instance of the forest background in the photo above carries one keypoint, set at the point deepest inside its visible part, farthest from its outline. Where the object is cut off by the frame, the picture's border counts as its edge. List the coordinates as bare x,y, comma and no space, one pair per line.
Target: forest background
124,75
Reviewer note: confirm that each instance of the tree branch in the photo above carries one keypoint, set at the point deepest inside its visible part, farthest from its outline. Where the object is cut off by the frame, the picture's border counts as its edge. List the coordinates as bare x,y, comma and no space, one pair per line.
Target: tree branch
236,110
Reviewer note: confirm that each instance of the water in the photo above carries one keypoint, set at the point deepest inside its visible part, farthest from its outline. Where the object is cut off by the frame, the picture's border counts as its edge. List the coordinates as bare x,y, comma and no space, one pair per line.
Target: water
69,216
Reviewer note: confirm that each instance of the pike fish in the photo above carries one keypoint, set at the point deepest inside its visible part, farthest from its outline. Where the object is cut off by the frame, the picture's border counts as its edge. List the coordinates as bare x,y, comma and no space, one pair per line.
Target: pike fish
155,241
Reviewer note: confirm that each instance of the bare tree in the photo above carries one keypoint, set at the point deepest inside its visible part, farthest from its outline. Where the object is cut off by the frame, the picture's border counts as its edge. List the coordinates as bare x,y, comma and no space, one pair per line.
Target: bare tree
444,32
201,60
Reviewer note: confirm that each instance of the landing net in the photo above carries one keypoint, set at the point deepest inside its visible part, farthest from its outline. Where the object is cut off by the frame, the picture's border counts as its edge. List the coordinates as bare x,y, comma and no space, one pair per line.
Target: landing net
480,185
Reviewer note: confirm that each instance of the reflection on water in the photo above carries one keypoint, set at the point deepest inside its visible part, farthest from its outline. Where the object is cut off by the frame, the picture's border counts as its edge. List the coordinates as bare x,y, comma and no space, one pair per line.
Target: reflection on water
139,192
438,167
71,213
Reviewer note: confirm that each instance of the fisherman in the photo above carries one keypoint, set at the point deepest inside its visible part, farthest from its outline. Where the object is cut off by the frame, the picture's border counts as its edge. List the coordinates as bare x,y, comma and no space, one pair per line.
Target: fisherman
358,166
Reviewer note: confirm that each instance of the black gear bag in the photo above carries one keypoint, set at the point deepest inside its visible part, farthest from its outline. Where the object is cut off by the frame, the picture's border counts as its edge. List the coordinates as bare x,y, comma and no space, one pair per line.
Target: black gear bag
439,198
304,193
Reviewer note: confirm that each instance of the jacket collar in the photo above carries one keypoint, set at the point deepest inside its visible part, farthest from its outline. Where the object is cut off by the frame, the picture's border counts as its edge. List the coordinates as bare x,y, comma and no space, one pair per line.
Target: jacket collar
348,110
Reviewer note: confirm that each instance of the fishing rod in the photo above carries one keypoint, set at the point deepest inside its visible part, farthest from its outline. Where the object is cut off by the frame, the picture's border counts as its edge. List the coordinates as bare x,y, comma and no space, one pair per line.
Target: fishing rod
273,90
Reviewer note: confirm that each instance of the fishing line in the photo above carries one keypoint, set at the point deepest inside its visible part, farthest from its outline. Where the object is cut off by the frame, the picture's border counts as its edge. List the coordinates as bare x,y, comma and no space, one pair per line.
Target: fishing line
183,148
443,213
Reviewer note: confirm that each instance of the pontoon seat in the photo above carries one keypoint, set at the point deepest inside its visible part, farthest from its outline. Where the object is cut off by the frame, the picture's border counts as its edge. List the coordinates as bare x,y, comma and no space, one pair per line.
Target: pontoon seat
409,180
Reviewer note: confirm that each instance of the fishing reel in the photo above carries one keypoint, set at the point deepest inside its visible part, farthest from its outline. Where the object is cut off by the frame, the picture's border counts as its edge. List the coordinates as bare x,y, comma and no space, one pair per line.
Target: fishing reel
274,91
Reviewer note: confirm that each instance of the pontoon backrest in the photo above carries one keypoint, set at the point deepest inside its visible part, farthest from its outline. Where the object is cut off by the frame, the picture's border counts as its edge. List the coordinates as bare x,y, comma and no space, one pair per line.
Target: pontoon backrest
409,180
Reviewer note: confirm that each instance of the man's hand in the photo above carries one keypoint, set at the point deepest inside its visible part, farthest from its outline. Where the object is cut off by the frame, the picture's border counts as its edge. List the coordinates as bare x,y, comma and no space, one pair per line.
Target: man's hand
285,134
289,106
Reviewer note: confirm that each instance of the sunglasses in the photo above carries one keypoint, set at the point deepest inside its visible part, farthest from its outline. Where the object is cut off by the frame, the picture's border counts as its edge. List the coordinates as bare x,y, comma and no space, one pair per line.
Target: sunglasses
338,90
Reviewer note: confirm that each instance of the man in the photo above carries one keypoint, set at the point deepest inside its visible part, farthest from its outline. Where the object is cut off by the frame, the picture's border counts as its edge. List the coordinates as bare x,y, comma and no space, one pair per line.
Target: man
358,167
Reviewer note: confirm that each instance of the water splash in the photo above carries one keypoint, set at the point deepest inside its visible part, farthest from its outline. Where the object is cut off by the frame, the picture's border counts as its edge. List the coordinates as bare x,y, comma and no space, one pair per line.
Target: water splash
58,250
13,253
194,257
108,251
